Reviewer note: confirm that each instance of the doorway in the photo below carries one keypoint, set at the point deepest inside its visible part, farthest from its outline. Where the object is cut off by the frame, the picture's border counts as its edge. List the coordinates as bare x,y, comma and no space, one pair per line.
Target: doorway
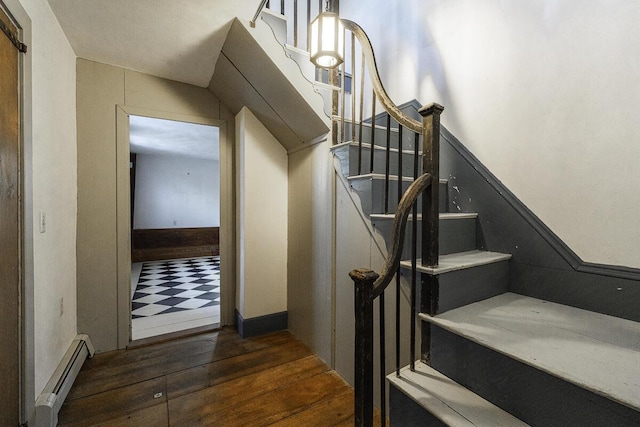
10,224
175,223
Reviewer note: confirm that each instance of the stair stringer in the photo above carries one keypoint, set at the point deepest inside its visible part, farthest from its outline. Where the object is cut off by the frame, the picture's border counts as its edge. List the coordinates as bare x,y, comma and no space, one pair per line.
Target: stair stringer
278,24
254,71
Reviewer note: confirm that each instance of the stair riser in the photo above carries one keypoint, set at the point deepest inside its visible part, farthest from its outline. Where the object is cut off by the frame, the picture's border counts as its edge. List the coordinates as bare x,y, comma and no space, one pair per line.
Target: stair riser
408,138
407,413
380,162
455,235
532,395
372,195
461,287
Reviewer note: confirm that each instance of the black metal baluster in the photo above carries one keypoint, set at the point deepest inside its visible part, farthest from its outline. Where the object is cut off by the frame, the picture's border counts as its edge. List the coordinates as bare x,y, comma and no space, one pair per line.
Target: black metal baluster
295,23
342,91
383,389
373,132
361,114
398,271
353,87
387,171
398,322
281,7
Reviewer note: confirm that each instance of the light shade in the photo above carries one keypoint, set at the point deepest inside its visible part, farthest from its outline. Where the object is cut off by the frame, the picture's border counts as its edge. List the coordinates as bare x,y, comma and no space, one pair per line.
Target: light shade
326,40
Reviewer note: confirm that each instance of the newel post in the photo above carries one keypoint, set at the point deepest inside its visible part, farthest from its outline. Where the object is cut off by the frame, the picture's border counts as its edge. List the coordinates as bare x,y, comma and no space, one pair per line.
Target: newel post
431,197
363,280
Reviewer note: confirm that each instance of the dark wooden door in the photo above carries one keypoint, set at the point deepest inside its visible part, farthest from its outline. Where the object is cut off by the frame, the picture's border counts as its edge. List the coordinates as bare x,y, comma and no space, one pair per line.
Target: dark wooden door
9,229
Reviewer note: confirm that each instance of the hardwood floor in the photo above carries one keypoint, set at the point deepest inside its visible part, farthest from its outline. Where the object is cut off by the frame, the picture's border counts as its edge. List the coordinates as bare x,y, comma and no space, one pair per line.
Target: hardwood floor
214,378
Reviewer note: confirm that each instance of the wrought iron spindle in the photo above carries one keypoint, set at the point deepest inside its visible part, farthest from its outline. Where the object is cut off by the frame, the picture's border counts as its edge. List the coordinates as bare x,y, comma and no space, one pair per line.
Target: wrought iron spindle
295,22
373,132
398,314
387,171
353,87
361,114
343,68
383,389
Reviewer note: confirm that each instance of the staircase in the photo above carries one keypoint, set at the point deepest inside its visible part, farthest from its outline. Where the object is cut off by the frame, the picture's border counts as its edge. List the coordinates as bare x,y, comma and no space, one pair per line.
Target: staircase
492,357
488,356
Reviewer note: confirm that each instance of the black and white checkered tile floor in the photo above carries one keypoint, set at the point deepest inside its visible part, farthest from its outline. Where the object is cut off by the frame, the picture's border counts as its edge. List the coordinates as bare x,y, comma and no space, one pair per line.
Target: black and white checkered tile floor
176,285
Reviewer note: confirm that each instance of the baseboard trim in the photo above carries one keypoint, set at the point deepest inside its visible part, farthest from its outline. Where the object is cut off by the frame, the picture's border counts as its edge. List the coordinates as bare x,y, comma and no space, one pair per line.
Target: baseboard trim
261,325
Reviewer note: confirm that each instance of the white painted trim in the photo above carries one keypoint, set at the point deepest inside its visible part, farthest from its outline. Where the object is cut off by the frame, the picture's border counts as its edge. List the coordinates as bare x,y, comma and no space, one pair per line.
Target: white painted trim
444,216
123,214
460,261
381,176
448,401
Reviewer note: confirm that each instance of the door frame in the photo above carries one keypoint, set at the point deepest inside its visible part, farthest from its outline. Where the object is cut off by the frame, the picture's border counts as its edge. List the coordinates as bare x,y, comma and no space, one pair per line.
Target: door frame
123,202
26,349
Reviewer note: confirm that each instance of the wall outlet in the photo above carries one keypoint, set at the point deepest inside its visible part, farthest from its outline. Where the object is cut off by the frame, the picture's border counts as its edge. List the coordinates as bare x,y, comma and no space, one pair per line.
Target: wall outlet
61,306
42,222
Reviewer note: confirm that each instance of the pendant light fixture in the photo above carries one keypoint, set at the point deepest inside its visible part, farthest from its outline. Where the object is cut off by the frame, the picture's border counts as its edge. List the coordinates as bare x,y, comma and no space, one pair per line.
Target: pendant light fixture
326,40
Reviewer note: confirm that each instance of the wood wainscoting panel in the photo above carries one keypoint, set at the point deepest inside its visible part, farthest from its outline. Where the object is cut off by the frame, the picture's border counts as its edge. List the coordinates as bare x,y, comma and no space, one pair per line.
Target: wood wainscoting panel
172,243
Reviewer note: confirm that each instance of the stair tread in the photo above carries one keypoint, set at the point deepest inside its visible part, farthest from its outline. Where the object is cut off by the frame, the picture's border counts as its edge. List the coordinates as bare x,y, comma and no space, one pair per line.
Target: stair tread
367,145
594,351
449,401
460,261
368,176
443,216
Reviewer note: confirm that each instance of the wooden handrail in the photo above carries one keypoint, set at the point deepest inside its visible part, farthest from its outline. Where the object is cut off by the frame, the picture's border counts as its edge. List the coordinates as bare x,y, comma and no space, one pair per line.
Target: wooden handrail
381,93
397,234
252,23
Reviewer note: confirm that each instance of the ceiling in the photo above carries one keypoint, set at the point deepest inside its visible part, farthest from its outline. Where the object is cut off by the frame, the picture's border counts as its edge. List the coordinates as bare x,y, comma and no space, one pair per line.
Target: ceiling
167,137
175,39
182,40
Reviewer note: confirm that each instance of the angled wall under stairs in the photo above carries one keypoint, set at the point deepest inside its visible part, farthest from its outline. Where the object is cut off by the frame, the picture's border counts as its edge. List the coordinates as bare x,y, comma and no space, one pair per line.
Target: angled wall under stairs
253,70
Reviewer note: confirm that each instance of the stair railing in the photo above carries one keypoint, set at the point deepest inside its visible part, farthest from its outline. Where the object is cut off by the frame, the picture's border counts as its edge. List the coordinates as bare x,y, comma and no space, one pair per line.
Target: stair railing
420,139
368,284
292,9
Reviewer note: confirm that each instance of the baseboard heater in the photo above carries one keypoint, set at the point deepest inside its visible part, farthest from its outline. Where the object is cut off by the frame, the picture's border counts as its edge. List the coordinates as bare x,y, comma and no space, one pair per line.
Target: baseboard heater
55,392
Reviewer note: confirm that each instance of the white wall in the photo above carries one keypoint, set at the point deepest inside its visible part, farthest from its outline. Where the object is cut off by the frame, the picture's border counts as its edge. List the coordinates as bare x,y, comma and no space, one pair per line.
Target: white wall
51,181
176,192
106,95
543,92
310,286
262,219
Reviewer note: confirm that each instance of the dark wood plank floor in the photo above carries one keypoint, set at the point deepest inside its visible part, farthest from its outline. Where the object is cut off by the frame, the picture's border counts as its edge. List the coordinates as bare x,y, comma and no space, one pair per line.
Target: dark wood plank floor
214,378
